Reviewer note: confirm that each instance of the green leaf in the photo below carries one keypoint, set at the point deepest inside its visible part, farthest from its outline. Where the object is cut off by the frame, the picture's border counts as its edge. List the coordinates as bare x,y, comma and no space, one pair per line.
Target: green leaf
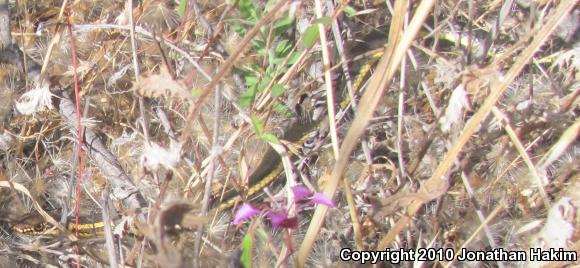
251,80
310,36
293,58
259,45
323,20
271,56
283,48
269,137
238,29
270,71
269,5
277,90
248,10
182,8
282,25
265,82
277,61
258,126
282,110
262,234
247,245
256,15
247,98
350,11
256,68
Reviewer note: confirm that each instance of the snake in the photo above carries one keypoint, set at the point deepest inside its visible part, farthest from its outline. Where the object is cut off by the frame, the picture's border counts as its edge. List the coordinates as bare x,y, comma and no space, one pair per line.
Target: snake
269,169
34,225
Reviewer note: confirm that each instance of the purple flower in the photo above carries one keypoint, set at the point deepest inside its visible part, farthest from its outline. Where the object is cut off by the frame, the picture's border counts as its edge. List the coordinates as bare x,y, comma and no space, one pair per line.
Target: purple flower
245,212
281,219
300,192
277,218
322,199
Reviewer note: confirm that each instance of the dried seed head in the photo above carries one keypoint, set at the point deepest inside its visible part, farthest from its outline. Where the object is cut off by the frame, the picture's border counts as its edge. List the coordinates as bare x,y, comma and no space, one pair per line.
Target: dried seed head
159,17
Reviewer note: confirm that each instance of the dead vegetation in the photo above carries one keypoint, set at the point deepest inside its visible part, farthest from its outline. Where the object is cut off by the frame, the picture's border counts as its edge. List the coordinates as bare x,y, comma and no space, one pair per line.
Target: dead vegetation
449,125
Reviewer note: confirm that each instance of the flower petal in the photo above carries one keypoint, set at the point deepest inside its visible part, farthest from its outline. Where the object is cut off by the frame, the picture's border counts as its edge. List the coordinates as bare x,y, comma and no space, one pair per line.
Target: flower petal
322,199
300,192
280,219
245,212
277,218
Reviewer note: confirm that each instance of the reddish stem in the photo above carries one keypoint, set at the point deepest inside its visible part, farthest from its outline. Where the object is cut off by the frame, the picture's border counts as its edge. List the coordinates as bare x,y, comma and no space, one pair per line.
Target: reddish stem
79,130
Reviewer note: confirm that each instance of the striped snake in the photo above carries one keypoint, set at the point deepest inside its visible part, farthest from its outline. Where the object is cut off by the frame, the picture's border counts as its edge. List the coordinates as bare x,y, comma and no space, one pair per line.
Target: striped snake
267,171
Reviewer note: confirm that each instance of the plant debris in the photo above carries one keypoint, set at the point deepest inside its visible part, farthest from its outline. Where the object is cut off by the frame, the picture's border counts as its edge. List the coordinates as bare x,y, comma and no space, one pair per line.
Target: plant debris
152,133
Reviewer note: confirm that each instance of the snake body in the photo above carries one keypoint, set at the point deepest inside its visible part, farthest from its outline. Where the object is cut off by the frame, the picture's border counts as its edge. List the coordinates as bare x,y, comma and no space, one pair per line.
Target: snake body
36,226
267,171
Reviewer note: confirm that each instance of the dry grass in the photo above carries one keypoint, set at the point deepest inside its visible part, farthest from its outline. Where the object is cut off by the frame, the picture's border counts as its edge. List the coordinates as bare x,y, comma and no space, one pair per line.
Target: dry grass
463,134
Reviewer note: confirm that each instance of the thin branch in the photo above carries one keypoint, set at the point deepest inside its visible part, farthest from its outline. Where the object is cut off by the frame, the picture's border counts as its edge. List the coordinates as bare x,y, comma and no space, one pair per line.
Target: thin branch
144,118
215,151
489,218
343,53
522,151
327,81
55,40
109,241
